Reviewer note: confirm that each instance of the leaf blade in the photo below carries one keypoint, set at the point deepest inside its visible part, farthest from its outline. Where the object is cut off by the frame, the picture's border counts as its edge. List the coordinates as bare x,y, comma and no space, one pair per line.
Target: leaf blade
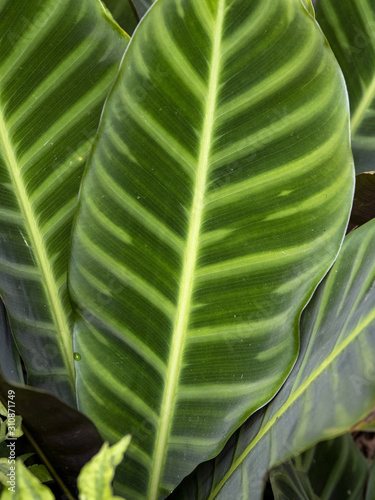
332,469
124,13
177,123
94,481
142,6
325,394
46,129
52,428
349,28
27,486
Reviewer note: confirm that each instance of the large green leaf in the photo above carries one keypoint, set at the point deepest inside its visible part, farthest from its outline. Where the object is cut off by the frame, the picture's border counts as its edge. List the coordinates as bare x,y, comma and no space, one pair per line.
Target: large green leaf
57,61
215,200
350,29
51,426
332,470
331,387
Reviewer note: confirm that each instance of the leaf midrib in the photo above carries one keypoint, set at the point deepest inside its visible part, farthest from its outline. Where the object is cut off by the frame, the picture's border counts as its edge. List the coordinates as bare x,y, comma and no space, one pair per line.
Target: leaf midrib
39,251
293,398
189,265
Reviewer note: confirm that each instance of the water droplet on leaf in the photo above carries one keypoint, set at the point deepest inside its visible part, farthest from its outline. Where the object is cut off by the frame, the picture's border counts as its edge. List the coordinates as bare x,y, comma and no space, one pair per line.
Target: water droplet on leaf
77,356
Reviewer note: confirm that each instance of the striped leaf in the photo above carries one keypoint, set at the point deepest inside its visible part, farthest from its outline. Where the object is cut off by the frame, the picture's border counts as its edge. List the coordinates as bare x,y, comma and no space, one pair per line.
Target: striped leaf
332,470
331,387
57,61
350,29
215,200
124,13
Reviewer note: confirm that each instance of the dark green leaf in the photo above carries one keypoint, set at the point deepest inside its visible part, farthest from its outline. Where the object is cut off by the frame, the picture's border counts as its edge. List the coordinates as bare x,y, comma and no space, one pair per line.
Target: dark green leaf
289,483
10,361
142,6
57,62
363,209
331,387
370,493
215,200
124,13
349,26
332,470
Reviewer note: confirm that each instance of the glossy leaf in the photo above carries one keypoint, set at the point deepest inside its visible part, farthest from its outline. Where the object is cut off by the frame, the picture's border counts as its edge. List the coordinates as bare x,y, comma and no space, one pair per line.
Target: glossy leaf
331,387
350,29
332,470
94,481
215,200
124,13
57,61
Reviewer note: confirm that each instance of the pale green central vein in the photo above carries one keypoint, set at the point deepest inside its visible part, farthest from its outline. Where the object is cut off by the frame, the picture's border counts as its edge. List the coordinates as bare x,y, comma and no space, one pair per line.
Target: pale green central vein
187,281
366,100
39,251
293,398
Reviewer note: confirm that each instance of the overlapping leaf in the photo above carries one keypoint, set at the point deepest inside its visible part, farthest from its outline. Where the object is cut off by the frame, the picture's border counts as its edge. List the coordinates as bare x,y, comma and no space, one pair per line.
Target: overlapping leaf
363,209
290,483
331,387
10,361
350,29
124,13
332,470
367,424
142,6
53,428
27,486
95,479
57,61
215,200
